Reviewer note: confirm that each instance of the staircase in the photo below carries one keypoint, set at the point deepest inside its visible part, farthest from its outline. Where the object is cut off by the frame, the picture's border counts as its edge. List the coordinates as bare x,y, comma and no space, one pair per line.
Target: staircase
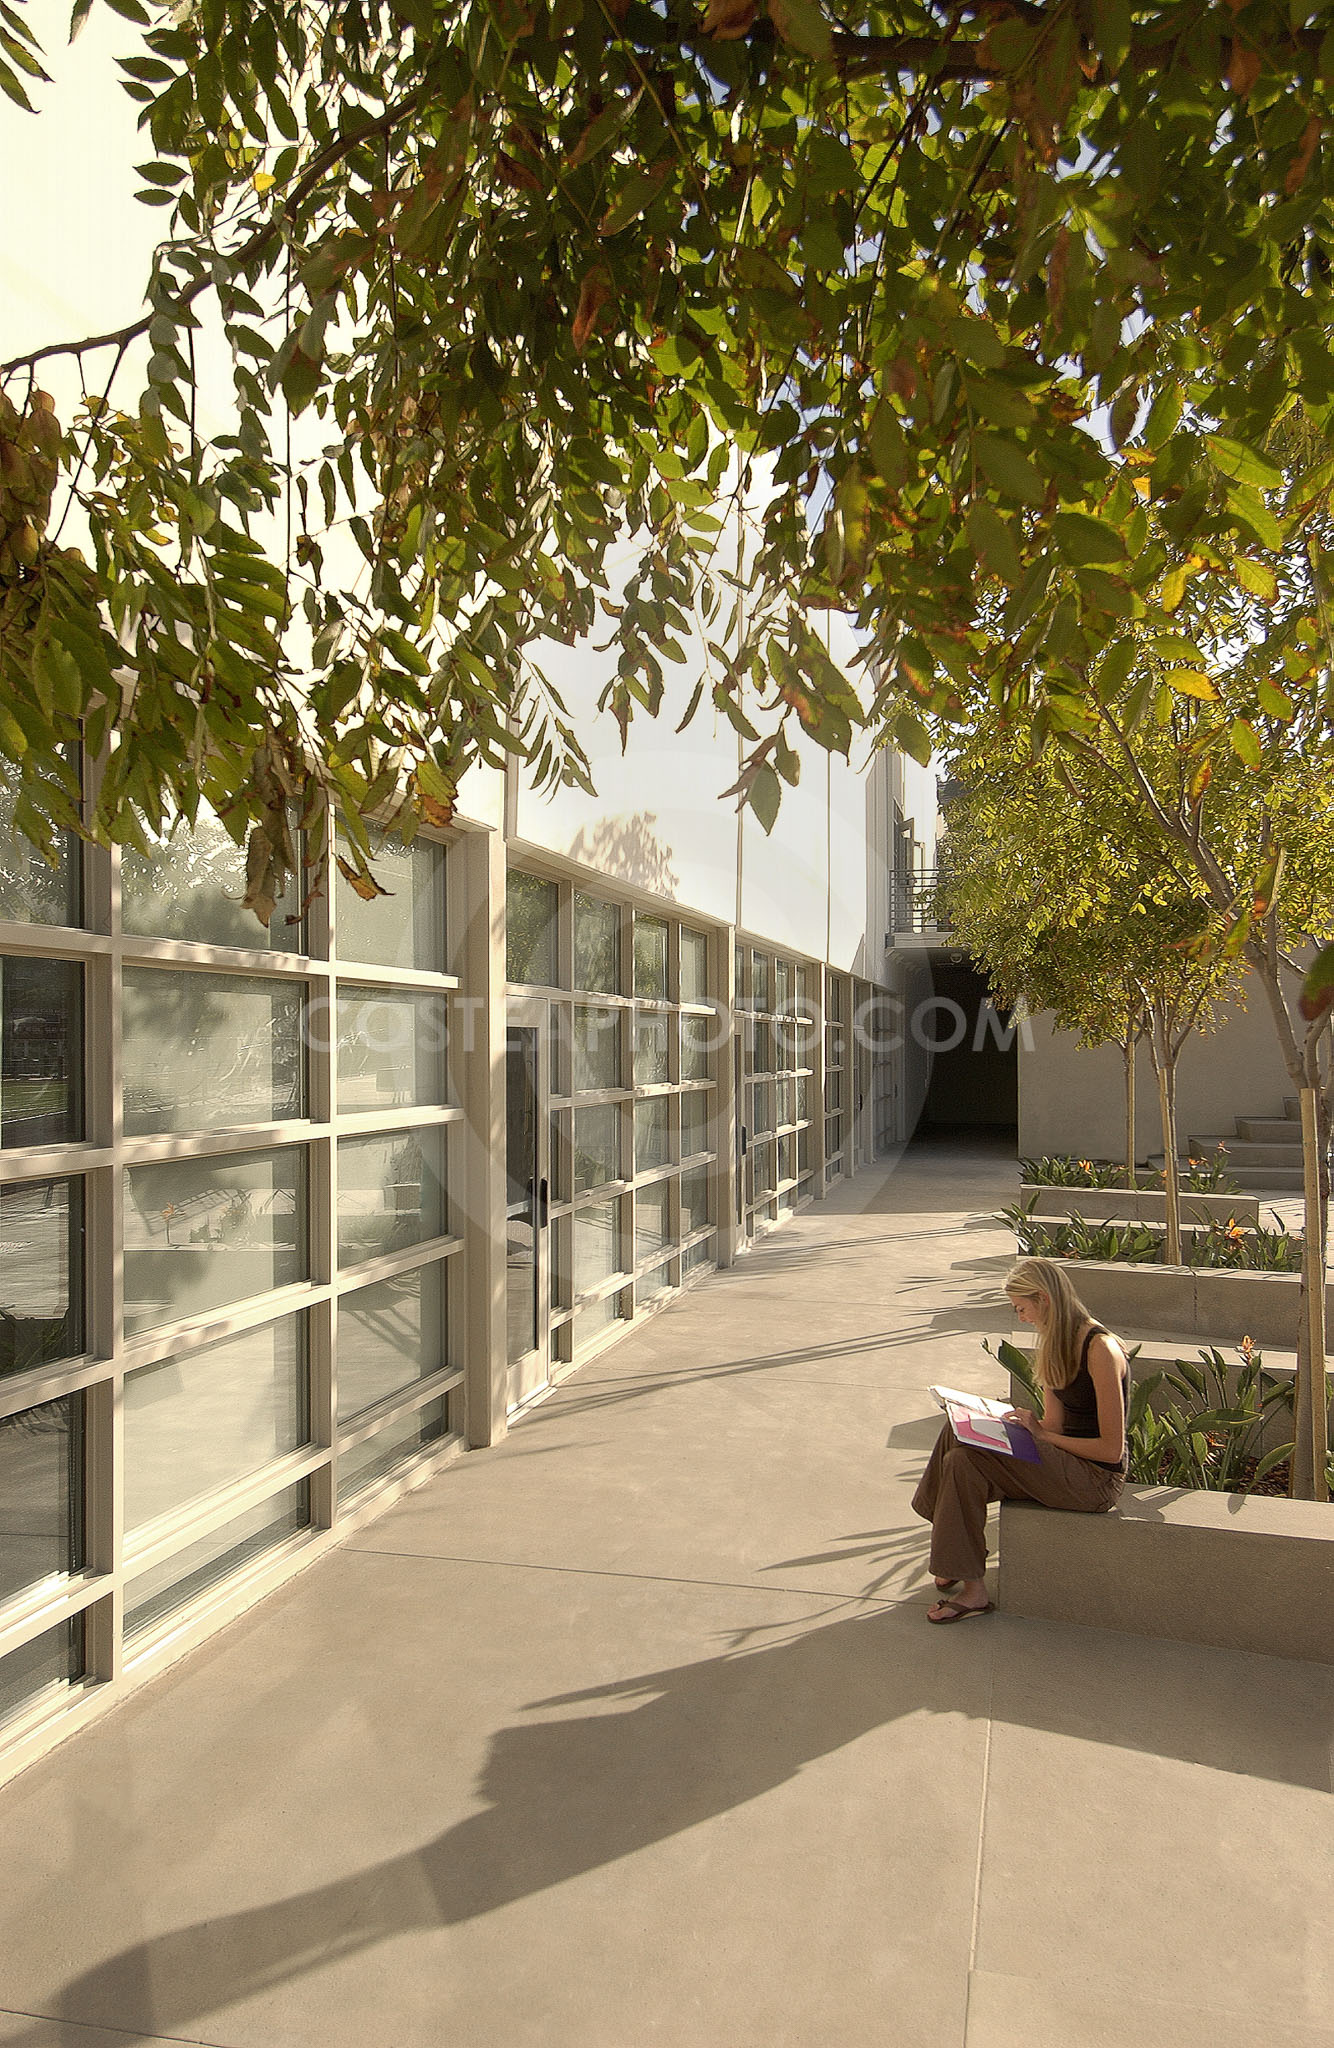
1266,1152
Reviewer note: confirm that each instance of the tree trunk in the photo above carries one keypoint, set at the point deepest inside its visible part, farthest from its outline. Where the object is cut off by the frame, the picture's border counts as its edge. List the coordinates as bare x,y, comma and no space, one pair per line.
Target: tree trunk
1164,1067
1128,1051
1310,1464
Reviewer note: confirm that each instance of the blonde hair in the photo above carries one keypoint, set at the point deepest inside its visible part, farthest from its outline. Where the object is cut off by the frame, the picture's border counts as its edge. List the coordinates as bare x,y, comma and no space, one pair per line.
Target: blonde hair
1056,1356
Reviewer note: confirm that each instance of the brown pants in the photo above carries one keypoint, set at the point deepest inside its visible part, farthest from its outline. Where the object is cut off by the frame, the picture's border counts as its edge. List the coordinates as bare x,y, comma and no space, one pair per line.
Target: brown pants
959,1481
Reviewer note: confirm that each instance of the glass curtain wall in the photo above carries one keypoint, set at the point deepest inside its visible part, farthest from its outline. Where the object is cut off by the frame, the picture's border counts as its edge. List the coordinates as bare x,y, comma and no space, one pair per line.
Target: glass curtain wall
778,998
635,1039
229,1210
839,1077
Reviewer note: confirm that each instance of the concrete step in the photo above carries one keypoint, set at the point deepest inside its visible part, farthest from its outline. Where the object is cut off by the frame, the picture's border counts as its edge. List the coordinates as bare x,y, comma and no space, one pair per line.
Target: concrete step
1240,1153
1268,1130
1261,1180
1292,1108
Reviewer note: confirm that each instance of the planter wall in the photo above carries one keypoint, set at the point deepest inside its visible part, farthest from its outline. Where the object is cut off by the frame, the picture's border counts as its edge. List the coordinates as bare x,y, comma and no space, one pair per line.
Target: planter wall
1216,1307
1135,1205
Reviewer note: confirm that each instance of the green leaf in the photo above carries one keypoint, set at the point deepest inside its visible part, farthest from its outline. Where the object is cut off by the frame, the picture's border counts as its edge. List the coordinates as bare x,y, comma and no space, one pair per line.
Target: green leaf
912,736
1244,465
1115,669
889,447
765,795
1164,414
994,543
1009,469
1318,988
1257,578
1246,743
1082,538
640,193
1192,682
1274,702
801,24
1109,21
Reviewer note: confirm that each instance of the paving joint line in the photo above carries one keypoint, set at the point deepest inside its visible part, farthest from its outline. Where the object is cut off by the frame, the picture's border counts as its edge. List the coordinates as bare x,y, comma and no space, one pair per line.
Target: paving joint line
15,2012
580,1571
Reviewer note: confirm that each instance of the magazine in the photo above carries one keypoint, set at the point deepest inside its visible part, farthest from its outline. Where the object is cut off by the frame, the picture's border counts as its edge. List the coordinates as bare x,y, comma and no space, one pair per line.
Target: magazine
978,1421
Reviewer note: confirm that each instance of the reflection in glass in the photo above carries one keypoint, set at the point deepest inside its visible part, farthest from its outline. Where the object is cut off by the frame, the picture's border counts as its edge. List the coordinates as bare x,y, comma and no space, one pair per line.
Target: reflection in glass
597,945
406,927
41,1051
694,1200
597,1245
694,967
391,1193
761,1108
700,1254
203,1233
530,929
650,1285
391,1050
782,983
51,1660
364,1463
650,1049
597,1048
787,1159
597,1146
209,1051
192,886
196,1422
389,1336
695,1124
783,1102
653,1231
180,1579
41,1492
698,1036
651,956
41,1273
652,1146
759,982
30,891
598,1316
762,1166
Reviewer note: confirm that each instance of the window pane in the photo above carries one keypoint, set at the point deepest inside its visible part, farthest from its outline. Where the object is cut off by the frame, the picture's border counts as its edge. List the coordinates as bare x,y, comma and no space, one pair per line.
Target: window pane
760,980
597,1048
405,928
762,1055
650,1049
180,1579
694,1200
597,1146
41,1051
762,1167
192,886
650,1285
598,1316
597,1244
391,1193
650,956
41,1490
652,1225
700,1254
695,1124
651,1139
218,1414
597,945
41,1283
49,1660
761,1108
787,1159
203,1233
30,891
694,967
365,1463
698,1034
530,929
208,1051
391,1050
782,983
389,1336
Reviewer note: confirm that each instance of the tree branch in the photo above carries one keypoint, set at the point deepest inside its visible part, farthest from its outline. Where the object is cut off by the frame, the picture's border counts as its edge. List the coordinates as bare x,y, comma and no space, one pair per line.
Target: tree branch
121,337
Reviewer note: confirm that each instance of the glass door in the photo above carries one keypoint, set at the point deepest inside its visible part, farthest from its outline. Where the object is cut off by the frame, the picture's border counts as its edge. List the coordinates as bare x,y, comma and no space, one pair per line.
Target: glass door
527,1199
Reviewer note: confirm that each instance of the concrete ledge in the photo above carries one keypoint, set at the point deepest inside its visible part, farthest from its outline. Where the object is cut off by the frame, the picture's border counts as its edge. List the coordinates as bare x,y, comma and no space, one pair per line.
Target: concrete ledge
1220,1568
1211,1304
1135,1205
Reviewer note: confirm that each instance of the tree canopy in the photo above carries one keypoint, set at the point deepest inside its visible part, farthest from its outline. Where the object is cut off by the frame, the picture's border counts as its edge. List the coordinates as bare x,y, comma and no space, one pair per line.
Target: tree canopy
983,318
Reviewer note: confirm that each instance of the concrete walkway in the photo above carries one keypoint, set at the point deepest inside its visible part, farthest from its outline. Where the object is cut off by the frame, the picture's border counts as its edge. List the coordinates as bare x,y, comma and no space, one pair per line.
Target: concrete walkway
632,1732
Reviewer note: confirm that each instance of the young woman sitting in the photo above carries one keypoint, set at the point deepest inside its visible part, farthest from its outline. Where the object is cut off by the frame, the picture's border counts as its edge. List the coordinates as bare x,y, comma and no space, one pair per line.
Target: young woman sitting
1080,1435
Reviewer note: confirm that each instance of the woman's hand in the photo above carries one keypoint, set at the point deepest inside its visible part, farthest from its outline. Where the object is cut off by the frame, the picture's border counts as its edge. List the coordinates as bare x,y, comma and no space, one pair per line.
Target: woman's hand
1026,1418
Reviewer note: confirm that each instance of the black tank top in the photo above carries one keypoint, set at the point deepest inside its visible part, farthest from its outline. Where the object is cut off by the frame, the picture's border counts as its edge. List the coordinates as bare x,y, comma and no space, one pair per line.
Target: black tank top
1079,1401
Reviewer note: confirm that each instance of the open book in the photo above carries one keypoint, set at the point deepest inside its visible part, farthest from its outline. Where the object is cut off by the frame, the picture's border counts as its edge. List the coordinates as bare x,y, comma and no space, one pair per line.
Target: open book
981,1422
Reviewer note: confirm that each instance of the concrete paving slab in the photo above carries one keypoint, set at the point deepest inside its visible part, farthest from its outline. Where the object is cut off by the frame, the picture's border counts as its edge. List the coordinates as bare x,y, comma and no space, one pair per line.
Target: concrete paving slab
33,2031
1016,2012
582,1812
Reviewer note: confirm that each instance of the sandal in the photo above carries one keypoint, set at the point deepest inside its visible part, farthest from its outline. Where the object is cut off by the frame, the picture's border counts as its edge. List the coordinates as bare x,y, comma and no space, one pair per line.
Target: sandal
952,1610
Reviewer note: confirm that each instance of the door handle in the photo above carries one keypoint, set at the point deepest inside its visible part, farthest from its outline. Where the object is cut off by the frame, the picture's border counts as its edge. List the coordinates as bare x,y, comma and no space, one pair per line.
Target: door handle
543,1204
745,1141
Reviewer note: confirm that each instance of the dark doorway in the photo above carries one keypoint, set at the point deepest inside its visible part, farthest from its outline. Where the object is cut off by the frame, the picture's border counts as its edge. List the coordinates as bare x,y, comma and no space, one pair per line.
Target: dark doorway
974,1054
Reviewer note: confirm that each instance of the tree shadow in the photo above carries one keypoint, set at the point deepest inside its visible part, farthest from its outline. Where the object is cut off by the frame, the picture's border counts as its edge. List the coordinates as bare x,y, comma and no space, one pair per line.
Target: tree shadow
663,1751
630,849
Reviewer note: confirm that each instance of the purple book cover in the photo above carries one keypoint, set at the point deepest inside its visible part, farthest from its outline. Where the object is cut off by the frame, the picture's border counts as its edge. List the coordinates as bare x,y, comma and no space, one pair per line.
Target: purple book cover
977,1430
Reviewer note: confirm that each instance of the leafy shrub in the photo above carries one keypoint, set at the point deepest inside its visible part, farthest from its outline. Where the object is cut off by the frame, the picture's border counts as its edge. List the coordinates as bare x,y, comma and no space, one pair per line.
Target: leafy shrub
1204,1176
1247,1247
1209,1437
1062,1171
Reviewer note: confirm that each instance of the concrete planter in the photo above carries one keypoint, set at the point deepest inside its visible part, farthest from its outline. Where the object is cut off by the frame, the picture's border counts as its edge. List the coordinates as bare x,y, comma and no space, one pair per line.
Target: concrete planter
1135,1205
1215,1306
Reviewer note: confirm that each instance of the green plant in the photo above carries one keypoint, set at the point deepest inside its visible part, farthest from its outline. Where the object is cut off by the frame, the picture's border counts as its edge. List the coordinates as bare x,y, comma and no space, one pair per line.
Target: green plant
1250,1248
1062,1171
1207,1176
1210,1437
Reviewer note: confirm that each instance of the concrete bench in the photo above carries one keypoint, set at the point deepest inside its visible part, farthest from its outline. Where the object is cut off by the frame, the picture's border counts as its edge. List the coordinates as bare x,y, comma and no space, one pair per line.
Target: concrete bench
1238,1572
